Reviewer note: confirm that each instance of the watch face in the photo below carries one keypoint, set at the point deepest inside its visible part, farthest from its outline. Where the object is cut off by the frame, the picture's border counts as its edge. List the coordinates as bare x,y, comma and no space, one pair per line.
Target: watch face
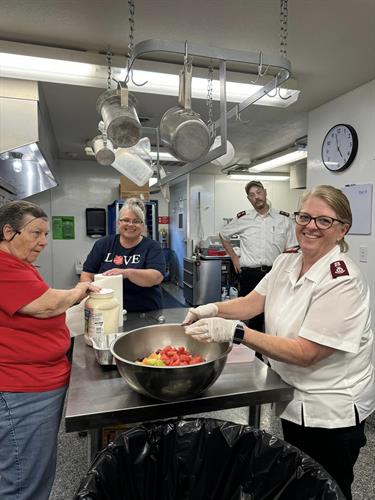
339,147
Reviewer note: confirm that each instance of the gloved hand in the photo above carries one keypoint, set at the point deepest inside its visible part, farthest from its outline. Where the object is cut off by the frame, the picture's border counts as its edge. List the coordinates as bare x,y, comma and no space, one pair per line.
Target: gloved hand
195,313
212,329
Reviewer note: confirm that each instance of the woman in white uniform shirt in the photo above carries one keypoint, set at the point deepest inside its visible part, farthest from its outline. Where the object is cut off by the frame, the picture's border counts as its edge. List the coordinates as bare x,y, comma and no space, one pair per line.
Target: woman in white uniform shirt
318,335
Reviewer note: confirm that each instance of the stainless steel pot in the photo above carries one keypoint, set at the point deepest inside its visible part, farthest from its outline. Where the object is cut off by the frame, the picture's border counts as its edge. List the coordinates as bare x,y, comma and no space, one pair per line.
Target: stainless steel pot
117,109
101,345
182,130
169,383
104,153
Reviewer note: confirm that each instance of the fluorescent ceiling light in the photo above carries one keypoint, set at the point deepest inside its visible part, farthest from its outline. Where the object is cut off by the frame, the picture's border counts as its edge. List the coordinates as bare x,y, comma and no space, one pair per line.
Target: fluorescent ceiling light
94,75
244,177
279,161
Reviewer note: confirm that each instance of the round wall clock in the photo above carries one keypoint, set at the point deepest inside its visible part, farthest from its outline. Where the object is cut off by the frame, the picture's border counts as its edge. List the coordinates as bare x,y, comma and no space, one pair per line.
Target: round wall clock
339,147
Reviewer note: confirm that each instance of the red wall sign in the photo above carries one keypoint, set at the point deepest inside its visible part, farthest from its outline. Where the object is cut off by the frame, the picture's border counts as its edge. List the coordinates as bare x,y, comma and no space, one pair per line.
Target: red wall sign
163,219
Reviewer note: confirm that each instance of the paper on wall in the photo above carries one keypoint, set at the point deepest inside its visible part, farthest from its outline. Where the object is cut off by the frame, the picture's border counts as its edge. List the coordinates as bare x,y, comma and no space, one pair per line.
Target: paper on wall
115,283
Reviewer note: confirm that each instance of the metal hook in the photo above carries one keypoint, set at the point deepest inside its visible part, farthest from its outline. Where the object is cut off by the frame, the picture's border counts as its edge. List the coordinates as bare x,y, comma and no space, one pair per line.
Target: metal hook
276,87
238,115
130,76
260,66
135,83
281,97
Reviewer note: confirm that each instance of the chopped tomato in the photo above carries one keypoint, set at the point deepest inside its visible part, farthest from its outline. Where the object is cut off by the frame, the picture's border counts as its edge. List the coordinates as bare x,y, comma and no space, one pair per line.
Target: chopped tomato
172,356
196,359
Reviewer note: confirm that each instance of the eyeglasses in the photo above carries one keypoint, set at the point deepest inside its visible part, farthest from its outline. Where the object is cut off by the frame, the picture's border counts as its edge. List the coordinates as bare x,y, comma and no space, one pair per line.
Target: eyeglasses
131,221
321,222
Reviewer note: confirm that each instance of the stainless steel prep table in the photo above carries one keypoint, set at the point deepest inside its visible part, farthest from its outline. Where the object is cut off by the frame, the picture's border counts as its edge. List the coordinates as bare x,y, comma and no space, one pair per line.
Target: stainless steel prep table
99,397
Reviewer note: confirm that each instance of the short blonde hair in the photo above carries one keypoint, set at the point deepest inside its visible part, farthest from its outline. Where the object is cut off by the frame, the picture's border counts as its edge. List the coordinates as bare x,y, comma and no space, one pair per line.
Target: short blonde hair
335,199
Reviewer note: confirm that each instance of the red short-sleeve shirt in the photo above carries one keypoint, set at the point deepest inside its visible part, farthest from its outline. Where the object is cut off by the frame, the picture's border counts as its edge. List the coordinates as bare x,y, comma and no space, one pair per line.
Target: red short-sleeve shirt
32,351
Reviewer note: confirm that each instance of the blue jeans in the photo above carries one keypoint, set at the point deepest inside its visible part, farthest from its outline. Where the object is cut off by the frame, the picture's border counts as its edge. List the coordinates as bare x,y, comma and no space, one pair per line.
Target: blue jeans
29,424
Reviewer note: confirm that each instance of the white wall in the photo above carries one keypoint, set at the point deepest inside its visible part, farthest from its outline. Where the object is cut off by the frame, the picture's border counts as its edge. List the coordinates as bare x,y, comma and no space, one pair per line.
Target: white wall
356,108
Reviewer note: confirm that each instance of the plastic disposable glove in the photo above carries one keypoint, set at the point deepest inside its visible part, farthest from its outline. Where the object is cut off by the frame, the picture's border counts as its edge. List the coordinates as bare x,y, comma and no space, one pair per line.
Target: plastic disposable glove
212,330
195,313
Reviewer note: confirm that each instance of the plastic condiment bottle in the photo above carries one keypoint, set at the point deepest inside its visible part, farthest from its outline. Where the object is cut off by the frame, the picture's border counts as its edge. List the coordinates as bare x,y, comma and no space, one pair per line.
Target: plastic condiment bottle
101,314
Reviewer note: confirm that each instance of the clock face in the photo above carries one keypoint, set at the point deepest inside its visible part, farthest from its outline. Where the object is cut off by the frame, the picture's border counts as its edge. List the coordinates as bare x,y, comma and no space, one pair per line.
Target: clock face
339,147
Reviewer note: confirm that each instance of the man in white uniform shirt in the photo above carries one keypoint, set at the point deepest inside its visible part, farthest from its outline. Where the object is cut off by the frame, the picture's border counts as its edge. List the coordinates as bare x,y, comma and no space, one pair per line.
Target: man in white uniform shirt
264,234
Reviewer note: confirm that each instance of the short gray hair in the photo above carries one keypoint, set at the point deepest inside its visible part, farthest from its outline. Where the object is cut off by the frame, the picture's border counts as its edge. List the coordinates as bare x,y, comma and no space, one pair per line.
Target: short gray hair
135,205
13,213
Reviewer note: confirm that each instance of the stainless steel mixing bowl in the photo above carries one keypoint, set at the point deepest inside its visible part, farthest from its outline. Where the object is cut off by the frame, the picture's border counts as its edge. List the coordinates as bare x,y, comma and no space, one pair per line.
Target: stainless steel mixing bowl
169,383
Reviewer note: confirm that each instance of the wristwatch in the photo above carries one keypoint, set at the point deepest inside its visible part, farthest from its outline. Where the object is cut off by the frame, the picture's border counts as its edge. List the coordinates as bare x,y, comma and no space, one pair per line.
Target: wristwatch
239,333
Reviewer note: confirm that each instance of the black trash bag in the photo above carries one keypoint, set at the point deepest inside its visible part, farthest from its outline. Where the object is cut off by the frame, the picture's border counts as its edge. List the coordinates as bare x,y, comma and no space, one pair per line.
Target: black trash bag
204,459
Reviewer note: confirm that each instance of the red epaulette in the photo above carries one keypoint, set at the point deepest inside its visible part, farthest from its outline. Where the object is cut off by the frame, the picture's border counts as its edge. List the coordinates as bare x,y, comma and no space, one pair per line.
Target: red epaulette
292,249
241,214
287,214
339,268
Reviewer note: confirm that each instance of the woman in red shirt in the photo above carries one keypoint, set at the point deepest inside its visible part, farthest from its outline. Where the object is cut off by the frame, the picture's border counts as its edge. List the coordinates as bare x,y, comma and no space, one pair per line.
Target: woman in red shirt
34,369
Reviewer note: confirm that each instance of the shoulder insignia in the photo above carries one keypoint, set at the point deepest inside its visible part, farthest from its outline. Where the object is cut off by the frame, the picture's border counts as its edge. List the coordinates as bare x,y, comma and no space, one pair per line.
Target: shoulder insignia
241,214
339,268
294,249
284,213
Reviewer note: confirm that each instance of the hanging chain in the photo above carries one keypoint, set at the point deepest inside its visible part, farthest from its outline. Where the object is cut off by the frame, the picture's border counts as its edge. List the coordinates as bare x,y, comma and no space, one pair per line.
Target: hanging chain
210,122
129,73
131,5
109,66
131,28
283,27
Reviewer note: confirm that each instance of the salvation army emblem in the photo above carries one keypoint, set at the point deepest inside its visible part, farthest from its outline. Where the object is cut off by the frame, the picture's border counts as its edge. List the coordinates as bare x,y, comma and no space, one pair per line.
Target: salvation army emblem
339,268
118,260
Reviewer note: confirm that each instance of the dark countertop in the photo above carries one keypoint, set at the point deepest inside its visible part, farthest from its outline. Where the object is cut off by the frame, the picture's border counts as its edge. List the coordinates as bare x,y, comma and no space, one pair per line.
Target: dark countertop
99,397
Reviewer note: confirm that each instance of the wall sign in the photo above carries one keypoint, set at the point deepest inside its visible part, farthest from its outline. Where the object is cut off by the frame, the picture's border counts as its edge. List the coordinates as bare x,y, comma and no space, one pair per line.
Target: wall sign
163,219
63,227
360,198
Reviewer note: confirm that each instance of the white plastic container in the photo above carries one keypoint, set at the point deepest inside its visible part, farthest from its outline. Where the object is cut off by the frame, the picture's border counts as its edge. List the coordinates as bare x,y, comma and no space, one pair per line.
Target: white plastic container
101,314
132,166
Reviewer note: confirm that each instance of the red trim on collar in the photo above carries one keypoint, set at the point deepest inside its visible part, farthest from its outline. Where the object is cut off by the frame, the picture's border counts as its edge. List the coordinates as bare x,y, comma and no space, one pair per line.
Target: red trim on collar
339,268
294,249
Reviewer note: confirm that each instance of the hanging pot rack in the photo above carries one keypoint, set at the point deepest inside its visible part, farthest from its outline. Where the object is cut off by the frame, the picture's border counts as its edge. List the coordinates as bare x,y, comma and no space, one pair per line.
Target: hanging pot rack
278,65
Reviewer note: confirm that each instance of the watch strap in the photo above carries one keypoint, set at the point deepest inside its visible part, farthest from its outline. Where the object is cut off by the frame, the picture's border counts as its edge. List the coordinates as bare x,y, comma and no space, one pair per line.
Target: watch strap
239,333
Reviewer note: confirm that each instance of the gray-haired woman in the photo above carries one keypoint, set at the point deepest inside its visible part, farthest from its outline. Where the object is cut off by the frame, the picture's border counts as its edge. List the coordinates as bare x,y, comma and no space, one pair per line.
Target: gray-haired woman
34,368
136,257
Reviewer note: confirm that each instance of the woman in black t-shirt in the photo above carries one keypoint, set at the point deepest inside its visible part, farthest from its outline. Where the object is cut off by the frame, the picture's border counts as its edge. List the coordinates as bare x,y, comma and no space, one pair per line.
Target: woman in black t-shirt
137,258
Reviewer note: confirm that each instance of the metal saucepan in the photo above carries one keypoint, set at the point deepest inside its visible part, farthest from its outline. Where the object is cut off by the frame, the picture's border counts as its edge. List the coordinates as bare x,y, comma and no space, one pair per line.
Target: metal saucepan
117,109
182,130
169,383
103,150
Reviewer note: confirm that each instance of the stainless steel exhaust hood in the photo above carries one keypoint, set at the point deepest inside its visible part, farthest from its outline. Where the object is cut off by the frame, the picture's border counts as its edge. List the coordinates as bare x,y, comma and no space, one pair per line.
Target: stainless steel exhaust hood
26,142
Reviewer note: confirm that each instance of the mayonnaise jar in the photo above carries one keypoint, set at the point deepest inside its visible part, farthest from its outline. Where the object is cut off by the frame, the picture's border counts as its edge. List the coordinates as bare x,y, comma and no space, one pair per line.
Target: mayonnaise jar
101,314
